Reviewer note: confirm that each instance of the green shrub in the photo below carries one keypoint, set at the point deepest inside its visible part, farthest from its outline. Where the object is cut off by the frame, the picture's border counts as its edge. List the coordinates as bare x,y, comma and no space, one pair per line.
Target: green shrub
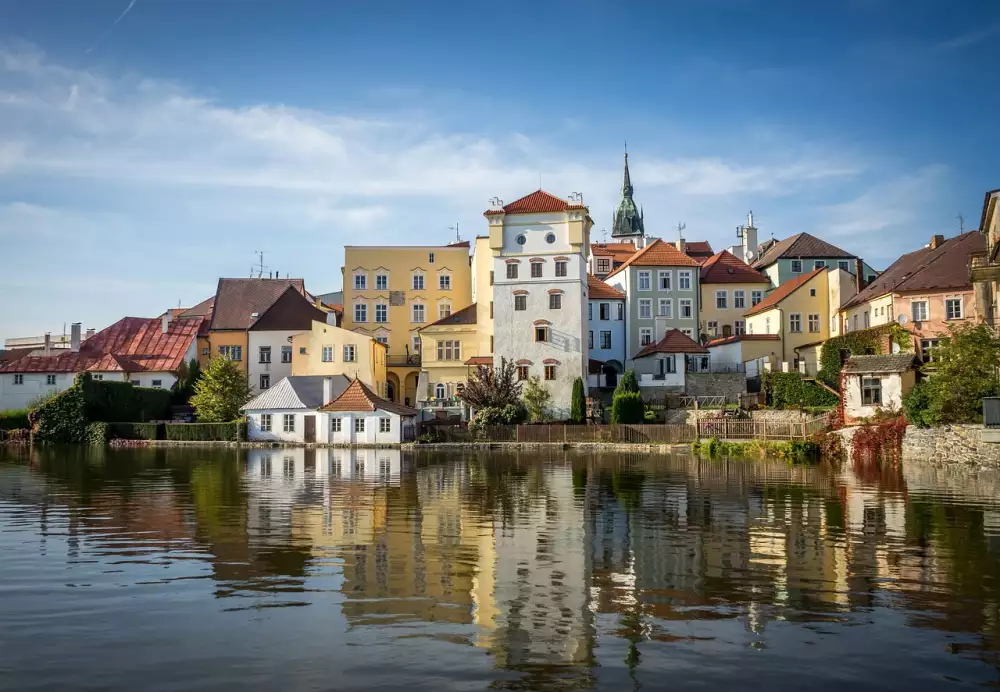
627,407
650,416
627,383
136,431
111,401
790,390
578,405
97,433
15,419
62,418
794,451
206,432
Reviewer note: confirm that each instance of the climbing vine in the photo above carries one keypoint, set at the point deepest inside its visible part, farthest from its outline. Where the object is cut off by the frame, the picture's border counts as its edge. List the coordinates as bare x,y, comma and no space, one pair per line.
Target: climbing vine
877,444
872,341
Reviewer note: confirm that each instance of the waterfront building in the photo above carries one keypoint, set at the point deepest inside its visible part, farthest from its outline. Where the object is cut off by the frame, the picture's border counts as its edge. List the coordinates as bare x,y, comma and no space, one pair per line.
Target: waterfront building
747,352
795,256
666,363
606,311
874,383
729,287
358,416
204,311
539,245
289,410
329,350
984,265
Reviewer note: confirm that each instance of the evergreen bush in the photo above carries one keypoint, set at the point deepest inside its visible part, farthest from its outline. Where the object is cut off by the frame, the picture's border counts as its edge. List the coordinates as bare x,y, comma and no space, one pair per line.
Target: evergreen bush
97,433
136,431
206,432
627,383
578,406
627,407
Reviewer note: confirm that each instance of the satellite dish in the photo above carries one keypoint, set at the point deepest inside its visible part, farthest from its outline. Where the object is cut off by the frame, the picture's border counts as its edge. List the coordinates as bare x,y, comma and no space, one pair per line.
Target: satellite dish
748,256
902,319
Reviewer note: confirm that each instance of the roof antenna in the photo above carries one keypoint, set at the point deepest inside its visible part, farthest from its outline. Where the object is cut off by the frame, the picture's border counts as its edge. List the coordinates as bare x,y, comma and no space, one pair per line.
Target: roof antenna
961,224
458,238
259,269
680,229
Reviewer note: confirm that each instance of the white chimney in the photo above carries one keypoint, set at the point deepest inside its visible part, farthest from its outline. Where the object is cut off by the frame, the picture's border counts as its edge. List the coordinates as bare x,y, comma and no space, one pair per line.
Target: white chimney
680,244
165,322
74,337
749,240
327,390
90,333
47,349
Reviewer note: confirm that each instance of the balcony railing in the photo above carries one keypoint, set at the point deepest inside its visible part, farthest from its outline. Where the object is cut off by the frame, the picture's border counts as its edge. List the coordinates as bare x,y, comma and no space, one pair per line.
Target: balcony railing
412,360
981,268
448,402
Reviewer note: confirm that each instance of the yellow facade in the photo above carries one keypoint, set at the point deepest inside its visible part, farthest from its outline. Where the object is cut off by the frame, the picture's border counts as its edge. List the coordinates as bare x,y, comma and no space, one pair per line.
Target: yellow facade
802,318
725,319
320,351
229,338
482,294
872,313
445,350
390,293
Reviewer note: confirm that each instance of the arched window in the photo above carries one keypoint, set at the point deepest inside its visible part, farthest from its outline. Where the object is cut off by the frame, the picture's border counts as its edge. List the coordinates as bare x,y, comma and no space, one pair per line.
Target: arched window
439,390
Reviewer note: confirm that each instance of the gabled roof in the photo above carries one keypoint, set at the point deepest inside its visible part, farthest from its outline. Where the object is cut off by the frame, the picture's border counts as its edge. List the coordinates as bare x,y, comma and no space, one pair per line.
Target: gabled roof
737,338
357,397
783,291
871,365
303,391
726,268
201,309
618,252
698,249
537,202
132,344
291,311
467,315
801,245
598,290
237,299
657,254
675,341
945,267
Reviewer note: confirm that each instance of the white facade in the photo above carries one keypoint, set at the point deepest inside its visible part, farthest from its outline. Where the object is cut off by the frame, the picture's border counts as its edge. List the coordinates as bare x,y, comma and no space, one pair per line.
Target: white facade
564,349
337,428
278,366
892,393
17,391
668,379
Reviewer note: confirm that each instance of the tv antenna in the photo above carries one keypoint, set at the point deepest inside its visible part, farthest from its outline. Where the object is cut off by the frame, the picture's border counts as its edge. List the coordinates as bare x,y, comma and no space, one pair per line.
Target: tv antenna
260,267
680,228
961,223
458,238
604,235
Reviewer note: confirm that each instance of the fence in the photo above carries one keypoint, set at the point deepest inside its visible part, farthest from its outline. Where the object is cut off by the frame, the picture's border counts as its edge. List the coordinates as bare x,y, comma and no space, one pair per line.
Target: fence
636,434
991,412
759,429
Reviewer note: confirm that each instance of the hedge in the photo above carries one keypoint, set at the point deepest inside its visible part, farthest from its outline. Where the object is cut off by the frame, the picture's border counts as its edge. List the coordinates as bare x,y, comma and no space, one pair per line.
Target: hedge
15,419
206,432
627,407
62,418
790,390
97,433
111,401
136,431
871,341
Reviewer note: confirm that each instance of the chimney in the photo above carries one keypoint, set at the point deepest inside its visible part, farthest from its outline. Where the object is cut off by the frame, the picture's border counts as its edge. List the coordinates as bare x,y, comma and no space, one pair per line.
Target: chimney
90,333
937,241
749,238
680,244
47,349
327,390
165,322
859,280
74,337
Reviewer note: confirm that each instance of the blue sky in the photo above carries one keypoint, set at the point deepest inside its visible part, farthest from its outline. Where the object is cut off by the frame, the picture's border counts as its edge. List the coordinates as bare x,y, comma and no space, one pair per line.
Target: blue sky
141,160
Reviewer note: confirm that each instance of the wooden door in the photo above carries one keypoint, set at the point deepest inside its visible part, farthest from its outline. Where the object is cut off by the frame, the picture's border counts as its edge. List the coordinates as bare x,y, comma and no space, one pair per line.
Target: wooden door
310,428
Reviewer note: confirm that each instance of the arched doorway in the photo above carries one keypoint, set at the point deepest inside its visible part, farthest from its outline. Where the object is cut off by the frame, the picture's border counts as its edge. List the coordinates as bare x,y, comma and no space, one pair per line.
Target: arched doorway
610,371
392,387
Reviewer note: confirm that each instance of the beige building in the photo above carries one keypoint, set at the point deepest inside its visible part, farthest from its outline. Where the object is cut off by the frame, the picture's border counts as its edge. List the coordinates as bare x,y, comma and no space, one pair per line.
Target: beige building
330,350
729,287
391,293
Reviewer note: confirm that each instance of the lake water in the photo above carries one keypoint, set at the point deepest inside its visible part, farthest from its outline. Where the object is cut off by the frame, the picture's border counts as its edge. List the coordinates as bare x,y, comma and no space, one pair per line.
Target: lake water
330,570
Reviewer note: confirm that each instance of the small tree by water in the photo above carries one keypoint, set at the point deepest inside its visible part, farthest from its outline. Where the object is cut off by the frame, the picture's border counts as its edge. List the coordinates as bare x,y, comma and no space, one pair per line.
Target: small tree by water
221,392
578,407
536,400
491,387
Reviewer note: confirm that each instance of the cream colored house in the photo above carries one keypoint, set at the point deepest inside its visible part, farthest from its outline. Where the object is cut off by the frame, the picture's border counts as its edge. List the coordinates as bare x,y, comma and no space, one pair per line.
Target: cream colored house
329,350
729,287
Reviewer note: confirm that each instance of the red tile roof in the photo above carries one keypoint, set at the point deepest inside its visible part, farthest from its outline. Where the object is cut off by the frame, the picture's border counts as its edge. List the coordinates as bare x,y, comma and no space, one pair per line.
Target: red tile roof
782,292
675,341
237,299
132,344
726,268
698,249
657,254
357,397
480,360
598,290
537,202
618,252
742,337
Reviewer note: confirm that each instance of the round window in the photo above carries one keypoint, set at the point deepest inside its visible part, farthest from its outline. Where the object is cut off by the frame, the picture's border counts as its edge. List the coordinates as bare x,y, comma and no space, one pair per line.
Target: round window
550,238
520,240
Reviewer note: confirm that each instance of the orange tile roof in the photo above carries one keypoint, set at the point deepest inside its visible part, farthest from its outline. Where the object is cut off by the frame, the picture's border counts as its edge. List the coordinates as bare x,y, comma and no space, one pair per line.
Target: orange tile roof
598,290
357,397
480,360
699,249
618,252
537,202
782,292
657,254
726,268
675,341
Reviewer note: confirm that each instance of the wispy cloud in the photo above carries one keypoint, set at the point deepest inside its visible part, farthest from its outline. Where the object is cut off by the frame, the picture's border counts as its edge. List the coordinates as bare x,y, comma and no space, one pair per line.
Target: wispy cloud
970,38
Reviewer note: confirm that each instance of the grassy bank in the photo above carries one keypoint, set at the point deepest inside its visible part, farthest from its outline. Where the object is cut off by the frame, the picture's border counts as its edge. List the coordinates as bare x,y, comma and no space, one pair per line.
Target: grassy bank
795,451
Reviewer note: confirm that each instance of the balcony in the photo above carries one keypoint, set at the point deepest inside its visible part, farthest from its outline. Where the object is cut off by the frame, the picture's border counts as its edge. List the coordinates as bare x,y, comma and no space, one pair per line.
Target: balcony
446,403
407,361
981,269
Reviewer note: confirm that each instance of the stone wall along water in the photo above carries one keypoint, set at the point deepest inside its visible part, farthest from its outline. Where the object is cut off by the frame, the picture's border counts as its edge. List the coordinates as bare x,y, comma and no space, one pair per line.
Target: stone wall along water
951,443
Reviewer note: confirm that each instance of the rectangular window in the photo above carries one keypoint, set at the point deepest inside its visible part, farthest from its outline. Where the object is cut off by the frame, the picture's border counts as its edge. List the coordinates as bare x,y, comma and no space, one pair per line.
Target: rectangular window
688,332
360,282
739,327
336,425
430,257
605,340
449,350
560,268
444,282
349,353
328,354
812,292
550,372
98,376
265,381
645,280
536,270
265,422
522,372
205,351
381,312
927,347
739,299
520,302
419,313
50,380
511,271
721,300
844,264
541,333
381,282
231,352
621,311
288,422
286,354
713,328
360,312
603,266
666,308
491,309
814,322
384,425
796,266
444,310
359,425
953,309
871,391
265,354
605,312
416,343
590,339
645,309
645,336
795,322
670,364
590,312
686,308
919,309
384,340
663,280
684,280
756,297
819,264
418,282
555,301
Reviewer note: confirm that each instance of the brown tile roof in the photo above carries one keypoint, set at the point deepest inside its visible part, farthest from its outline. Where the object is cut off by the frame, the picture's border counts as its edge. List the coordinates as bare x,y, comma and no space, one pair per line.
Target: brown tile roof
291,310
537,202
782,292
132,344
15,354
801,245
357,397
467,315
742,337
480,360
618,252
698,249
900,362
598,290
237,299
202,309
726,268
675,341
657,254
944,268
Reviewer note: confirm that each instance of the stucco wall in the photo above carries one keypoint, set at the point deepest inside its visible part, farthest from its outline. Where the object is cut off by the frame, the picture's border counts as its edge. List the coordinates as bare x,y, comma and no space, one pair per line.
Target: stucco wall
613,325
370,365
894,385
729,315
276,369
646,367
324,433
18,396
936,325
628,281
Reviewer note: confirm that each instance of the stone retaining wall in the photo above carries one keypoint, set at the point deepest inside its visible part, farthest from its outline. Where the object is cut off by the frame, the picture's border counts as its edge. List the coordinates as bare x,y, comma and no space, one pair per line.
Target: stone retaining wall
727,384
950,443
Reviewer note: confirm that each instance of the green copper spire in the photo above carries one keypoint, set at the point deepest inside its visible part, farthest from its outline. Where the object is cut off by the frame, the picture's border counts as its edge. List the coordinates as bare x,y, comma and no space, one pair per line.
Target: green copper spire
628,218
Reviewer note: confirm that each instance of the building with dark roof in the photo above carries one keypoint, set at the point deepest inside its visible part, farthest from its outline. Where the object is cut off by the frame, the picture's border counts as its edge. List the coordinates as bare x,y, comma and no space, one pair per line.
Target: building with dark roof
784,260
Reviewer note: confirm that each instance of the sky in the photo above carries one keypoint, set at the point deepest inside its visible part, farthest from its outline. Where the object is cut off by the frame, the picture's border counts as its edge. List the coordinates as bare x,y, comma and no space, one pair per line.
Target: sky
149,147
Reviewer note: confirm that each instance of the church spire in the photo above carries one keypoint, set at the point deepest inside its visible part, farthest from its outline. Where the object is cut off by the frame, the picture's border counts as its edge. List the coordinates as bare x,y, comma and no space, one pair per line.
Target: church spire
628,221
627,182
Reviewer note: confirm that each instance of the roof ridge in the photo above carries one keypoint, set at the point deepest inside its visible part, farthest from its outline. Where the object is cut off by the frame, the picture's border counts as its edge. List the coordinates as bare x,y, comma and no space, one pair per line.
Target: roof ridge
449,316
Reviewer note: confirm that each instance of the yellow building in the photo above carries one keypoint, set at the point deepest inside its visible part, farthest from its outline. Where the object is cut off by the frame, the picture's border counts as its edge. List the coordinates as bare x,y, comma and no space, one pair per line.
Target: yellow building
729,287
329,350
803,313
984,271
390,293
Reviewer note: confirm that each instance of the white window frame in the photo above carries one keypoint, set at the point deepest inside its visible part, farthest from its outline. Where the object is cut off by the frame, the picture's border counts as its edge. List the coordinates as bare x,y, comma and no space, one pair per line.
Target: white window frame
444,281
381,313
418,318
264,354
872,384
645,308
50,380
713,327
795,322
666,308
796,266
286,354
350,353
684,281
603,266
385,424
685,305
361,313
326,353
359,424
663,280
645,336
265,422
265,380
739,327
416,344
360,281
381,282
644,280
444,310
814,321
449,350
755,297
739,299
688,332
621,311
288,422
604,311
913,310
722,304
844,264
819,264
336,424
417,281
949,303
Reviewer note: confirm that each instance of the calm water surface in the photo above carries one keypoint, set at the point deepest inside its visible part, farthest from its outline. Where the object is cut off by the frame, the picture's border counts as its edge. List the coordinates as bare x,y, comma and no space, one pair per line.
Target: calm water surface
316,570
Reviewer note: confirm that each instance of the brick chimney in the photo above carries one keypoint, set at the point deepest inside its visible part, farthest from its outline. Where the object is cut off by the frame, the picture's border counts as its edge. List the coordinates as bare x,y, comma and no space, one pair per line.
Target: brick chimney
47,349
937,241
74,337
859,270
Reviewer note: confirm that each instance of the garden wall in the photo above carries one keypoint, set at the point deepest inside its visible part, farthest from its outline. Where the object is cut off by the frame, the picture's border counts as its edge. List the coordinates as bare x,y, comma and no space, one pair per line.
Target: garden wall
727,384
951,443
